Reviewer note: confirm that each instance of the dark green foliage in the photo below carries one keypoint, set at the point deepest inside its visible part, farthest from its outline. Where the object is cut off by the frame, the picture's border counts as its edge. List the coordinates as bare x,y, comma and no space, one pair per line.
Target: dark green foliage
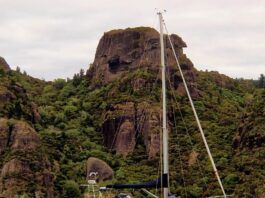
71,189
261,81
59,83
72,114
2,73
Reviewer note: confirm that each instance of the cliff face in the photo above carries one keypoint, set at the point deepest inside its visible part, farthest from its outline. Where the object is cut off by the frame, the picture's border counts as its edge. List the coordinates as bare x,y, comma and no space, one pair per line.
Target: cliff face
24,164
122,53
127,122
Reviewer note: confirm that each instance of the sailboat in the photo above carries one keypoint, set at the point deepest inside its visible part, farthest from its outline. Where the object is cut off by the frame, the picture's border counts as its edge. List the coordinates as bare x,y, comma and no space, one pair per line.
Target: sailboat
163,181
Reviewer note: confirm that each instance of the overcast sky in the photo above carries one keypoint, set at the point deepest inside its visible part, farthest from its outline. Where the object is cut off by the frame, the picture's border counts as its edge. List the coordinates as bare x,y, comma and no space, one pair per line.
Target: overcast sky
56,38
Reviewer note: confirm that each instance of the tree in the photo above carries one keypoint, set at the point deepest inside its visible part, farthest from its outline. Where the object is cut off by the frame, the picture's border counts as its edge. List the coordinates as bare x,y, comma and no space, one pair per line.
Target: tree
81,73
2,72
76,79
71,189
261,81
18,69
59,83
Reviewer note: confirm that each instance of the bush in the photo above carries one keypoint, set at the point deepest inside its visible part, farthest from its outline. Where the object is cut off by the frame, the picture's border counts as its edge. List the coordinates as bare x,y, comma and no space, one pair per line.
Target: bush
231,179
70,111
59,83
71,189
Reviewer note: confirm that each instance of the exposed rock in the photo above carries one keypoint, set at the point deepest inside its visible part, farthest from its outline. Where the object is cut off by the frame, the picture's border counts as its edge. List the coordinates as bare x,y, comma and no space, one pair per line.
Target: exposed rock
24,137
100,167
125,123
27,164
14,166
119,128
121,51
4,65
149,122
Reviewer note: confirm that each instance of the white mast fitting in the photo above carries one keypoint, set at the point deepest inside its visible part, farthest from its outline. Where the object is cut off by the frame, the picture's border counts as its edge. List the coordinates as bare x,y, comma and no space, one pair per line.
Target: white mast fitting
165,177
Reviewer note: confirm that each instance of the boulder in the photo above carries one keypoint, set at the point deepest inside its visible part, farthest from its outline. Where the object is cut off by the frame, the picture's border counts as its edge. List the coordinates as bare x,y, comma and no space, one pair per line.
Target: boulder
103,170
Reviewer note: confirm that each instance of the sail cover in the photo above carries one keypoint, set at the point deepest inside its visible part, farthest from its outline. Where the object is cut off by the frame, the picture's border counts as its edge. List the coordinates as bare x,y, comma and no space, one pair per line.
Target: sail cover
160,182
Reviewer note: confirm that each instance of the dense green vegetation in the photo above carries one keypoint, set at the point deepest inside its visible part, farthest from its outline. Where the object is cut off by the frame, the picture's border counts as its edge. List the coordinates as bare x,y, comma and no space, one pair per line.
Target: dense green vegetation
72,116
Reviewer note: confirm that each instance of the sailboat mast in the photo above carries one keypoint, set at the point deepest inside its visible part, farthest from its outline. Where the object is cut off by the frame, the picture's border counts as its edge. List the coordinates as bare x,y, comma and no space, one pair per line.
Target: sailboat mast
165,132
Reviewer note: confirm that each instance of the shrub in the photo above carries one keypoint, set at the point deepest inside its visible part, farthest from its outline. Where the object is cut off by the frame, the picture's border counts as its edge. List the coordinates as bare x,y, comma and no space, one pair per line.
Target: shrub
231,179
71,189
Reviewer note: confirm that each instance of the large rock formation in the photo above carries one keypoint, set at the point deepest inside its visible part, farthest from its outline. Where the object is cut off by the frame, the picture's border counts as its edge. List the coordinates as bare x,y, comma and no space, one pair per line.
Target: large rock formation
24,163
119,56
127,122
122,51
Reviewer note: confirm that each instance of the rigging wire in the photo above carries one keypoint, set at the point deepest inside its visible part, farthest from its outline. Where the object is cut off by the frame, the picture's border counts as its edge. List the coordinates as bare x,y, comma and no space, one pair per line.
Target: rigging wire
196,116
178,148
186,128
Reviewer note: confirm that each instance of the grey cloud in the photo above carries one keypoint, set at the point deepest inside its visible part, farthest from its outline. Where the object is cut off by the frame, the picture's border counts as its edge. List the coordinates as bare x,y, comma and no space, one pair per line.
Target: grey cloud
53,39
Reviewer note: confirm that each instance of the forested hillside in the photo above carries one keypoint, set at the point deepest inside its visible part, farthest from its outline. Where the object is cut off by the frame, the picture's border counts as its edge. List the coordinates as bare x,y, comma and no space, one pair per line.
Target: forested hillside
112,111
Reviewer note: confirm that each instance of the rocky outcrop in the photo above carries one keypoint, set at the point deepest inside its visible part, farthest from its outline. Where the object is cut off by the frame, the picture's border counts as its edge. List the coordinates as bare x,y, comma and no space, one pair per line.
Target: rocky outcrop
24,162
123,51
3,65
127,122
23,137
98,169
132,57
14,166
119,128
17,136
149,122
